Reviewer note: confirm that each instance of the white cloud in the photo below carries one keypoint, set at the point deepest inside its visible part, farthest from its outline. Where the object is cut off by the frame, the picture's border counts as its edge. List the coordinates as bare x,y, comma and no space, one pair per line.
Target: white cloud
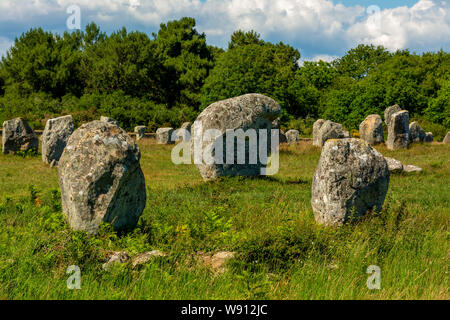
316,27
5,44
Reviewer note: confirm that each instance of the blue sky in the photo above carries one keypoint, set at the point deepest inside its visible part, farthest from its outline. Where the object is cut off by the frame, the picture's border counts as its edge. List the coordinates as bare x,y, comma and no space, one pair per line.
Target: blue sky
320,29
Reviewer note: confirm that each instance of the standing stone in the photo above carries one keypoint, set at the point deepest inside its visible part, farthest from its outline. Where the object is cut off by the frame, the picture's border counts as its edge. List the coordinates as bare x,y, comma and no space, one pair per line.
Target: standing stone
446,138
18,136
316,128
101,179
250,111
276,123
398,131
292,136
164,136
416,133
109,120
54,138
351,179
371,130
140,132
428,137
389,112
328,130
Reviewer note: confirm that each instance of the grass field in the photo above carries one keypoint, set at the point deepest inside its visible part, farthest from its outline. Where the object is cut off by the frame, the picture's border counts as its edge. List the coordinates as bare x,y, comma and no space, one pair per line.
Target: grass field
281,253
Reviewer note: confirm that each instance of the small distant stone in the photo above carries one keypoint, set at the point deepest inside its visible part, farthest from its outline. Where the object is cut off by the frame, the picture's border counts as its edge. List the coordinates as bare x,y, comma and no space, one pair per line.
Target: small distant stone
398,131
428,137
411,168
394,165
389,112
164,136
18,136
283,138
328,130
416,133
447,138
292,136
118,257
145,257
316,128
216,262
371,129
109,120
140,132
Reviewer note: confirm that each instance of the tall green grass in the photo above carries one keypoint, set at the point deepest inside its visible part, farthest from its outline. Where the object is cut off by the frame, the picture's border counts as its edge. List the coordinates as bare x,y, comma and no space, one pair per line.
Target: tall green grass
281,252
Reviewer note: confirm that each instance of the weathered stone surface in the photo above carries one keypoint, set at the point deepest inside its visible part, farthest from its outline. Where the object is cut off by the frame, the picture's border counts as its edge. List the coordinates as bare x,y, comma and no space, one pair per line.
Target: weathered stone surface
416,133
371,129
398,131
164,136
316,128
216,262
276,123
54,138
101,179
145,257
347,134
109,120
18,136
118,257
350,180
328,130
292,136
411,168
140,132
389,112
394,165
428,137
237,115
446,138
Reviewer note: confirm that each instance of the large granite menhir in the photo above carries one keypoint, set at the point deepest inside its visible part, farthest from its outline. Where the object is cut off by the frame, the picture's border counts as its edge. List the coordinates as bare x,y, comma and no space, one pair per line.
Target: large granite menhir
398,131
350,180
101,178
250,111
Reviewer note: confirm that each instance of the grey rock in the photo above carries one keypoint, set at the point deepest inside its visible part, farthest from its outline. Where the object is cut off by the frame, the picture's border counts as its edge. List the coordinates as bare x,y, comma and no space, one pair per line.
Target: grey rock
416,133
398,131
164,136
146,257
109,120
350,180
292,136
371,129
276,123
394,165
347,134
411,168
446,138
328,130
316,128
250,111
54,138
428,137
389,112
118,257
101,179
18,136
140,132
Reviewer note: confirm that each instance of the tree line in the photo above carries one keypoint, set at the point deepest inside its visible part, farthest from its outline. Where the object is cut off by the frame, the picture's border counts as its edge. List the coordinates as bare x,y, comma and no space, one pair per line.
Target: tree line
168,78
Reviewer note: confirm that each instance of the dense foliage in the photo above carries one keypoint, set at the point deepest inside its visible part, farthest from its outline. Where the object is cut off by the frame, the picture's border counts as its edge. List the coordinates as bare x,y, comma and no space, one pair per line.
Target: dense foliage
171,76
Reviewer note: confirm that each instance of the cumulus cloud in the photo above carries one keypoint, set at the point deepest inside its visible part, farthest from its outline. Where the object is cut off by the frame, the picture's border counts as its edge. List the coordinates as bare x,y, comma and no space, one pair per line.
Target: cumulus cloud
317,27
